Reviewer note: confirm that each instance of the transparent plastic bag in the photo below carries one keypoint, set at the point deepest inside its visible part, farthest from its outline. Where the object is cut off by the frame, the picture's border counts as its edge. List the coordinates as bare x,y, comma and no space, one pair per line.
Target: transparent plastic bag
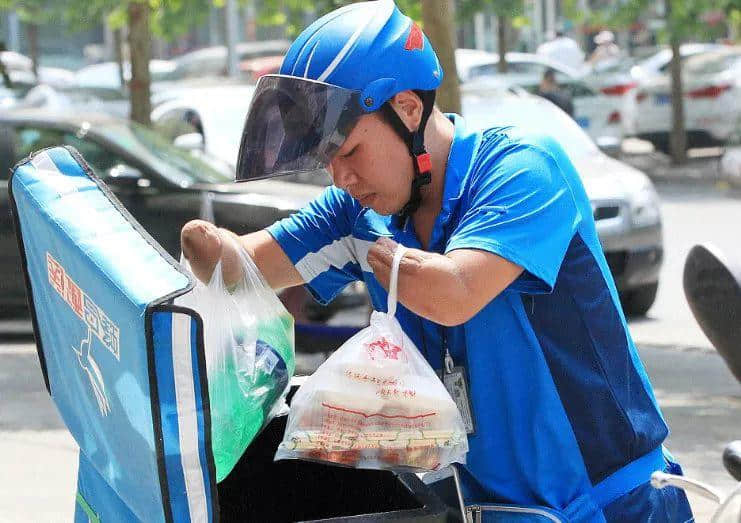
376,404
249,346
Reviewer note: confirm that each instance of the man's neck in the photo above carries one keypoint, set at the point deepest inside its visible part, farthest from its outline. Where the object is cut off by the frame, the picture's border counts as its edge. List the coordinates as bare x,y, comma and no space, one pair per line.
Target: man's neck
438,140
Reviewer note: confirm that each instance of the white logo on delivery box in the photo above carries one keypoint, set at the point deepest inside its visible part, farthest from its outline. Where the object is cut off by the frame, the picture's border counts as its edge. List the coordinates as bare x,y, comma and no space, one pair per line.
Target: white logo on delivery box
96,321
82,305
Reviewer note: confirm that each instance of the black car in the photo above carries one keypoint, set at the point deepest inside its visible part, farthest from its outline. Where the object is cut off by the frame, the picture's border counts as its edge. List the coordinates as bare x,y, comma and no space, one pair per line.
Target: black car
161,185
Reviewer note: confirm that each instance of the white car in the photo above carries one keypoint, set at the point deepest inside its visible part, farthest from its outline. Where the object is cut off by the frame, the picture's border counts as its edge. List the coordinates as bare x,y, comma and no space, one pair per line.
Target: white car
211,61
624,202
625,79
712,101
599,114
106,75
217,114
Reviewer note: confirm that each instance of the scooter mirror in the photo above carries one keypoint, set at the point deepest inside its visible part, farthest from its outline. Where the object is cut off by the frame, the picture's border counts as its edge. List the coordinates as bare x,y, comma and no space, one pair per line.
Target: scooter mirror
732,459
713,290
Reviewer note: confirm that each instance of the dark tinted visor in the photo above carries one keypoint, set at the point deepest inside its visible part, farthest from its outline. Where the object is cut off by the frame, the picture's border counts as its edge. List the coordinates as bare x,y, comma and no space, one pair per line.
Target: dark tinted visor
294,125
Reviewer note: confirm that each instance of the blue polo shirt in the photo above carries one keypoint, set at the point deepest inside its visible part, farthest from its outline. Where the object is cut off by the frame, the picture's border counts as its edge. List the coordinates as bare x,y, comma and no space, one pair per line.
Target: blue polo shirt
560,398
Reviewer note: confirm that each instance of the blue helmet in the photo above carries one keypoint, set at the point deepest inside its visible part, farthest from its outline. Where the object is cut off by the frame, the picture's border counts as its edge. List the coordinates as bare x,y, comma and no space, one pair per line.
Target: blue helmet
369,47
350,62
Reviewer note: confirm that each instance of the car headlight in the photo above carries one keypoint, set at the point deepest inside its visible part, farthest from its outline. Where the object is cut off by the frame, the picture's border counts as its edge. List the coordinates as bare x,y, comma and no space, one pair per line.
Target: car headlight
644,207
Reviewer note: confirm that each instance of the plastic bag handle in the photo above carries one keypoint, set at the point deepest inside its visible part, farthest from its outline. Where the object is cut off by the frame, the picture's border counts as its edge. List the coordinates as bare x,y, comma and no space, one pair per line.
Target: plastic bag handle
391,303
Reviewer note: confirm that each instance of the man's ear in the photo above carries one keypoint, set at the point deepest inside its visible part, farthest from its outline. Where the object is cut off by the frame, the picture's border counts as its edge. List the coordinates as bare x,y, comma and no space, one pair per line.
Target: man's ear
409,108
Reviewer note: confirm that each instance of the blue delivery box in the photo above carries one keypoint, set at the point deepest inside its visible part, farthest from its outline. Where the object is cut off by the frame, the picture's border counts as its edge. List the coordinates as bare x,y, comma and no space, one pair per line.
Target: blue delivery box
126,368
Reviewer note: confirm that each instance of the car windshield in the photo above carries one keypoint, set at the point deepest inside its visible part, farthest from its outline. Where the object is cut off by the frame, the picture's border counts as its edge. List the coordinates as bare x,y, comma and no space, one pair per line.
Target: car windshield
176,165
527,115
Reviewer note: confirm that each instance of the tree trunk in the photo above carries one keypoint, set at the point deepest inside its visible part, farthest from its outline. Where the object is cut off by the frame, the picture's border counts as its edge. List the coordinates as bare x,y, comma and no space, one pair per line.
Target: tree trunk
118,52
502,43
677,137
140,49
32,31
437,16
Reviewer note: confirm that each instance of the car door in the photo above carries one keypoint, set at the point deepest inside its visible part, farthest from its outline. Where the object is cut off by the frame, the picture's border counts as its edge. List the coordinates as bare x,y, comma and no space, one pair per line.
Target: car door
12,287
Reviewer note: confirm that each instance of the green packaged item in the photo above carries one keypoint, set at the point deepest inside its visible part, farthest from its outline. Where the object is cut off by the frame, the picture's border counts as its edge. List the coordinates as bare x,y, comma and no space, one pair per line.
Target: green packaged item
250,359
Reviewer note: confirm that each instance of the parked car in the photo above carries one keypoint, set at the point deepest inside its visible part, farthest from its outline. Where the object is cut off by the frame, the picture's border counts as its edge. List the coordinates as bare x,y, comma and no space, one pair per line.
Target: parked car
211,61
216,114
712,101
106,74
87,99
600,115
624,202
163,187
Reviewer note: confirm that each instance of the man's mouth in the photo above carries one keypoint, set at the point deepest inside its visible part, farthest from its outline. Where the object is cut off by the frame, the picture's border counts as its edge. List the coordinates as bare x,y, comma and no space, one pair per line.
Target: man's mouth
365,199
362,197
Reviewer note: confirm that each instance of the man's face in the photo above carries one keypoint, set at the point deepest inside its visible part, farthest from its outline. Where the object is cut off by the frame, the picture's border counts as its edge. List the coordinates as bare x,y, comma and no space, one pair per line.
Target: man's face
374,166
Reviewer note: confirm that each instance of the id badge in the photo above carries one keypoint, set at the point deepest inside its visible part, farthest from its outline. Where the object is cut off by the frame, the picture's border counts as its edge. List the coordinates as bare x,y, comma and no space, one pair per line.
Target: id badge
455,383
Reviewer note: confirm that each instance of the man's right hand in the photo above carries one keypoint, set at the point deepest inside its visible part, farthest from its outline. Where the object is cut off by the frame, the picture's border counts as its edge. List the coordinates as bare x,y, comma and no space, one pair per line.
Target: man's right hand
203,245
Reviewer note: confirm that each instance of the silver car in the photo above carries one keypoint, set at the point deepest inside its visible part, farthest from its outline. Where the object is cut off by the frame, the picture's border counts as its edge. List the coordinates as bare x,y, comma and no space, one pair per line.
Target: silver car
624,201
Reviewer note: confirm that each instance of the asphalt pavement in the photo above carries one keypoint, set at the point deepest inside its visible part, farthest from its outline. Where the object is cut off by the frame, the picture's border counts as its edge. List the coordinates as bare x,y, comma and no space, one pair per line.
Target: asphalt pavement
699,397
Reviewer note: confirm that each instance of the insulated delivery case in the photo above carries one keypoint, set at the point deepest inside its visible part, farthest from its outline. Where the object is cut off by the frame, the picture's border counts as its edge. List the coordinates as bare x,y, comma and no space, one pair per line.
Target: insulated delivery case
126,368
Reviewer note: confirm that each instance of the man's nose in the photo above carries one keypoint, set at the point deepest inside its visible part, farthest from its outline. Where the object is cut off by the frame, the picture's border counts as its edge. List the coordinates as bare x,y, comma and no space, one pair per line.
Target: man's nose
342,175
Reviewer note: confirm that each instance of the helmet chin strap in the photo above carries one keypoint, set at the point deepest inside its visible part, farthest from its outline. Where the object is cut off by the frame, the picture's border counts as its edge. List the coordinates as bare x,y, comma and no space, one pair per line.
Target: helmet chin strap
415,141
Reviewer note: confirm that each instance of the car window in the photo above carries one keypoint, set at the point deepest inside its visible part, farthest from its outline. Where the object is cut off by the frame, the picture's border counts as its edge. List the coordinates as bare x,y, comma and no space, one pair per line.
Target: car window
711,63
178,122
578,89
31,139
529,68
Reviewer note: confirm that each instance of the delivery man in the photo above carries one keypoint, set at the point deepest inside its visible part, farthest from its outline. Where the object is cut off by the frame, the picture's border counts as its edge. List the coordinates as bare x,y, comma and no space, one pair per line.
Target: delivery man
504,274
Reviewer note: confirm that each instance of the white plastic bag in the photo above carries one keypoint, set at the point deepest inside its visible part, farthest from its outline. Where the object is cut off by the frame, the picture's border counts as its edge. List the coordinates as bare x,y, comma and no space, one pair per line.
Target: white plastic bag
249,346
376,404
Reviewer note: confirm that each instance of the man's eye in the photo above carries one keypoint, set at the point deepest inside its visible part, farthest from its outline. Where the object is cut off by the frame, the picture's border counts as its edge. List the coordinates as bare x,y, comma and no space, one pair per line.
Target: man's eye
352,151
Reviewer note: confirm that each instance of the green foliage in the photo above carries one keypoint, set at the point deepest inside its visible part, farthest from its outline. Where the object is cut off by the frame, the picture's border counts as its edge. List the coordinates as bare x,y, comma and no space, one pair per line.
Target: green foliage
169,19
511,9
695,19
295,15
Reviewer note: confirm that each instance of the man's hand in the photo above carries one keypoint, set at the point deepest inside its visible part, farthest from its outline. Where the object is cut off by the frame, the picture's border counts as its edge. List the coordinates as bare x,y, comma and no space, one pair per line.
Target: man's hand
381,256
447,289
203,245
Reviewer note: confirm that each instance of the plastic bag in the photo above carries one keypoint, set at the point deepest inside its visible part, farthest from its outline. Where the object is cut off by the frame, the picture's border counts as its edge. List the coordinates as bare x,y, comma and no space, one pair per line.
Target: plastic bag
249,346
376,404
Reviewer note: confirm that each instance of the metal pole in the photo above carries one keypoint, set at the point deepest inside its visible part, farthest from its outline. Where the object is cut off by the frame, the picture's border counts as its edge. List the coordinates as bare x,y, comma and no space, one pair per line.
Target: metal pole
213,25
232,67
14,32
479,31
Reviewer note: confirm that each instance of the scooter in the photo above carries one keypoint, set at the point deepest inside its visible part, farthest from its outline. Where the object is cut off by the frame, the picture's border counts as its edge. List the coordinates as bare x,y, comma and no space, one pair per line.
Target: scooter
712,286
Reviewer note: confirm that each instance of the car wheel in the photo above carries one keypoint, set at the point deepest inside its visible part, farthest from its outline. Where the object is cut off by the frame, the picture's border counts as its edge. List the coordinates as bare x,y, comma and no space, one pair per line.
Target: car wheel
637,302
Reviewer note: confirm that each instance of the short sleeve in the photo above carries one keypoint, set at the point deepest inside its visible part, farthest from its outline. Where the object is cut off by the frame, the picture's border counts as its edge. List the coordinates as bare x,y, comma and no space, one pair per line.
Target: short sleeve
520,206
318,240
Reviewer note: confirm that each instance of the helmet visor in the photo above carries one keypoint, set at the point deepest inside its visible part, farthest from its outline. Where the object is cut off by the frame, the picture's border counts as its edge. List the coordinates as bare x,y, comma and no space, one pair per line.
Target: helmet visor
294,125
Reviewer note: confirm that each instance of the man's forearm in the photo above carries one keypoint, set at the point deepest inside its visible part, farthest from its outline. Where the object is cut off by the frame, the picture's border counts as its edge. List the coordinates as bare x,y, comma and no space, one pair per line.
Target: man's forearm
204,244
447,289
429,285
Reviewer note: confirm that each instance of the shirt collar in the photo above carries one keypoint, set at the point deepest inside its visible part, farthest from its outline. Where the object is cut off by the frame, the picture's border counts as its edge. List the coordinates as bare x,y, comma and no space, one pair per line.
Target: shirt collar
460,160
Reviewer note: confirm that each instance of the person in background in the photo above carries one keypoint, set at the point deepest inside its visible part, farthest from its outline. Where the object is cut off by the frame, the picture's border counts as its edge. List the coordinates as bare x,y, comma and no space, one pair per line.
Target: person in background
562,49
606,48
550,90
